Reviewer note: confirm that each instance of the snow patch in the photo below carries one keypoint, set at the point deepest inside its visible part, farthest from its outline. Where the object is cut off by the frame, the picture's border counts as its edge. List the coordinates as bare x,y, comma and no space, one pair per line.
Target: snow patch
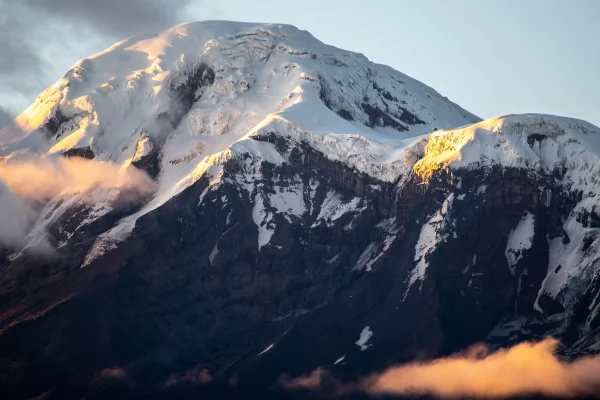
367,260
267,349
569,263
366,255
334,207
213,253
334,258
288,200
365,335
263,220
313,186
339,360
520,240
429,238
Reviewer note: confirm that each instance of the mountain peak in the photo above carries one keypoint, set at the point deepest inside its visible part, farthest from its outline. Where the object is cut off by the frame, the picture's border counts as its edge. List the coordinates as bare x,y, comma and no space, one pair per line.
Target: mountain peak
173,101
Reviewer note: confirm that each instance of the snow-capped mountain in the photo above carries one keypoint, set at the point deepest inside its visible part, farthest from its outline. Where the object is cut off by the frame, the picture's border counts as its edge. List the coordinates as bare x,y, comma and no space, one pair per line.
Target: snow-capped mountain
182,101
299,206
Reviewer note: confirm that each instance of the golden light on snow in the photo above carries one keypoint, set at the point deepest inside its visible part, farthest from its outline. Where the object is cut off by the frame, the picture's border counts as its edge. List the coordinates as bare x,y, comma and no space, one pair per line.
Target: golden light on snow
441,149
30,119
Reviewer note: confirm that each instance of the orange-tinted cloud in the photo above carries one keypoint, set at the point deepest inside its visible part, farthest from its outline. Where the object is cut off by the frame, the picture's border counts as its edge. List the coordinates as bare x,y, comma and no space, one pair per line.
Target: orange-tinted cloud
27,182
314,380
45,178
320,380
525,369
529,368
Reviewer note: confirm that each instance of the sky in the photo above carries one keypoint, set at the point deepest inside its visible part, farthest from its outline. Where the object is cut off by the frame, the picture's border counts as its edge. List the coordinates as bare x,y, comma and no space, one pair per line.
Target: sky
491,57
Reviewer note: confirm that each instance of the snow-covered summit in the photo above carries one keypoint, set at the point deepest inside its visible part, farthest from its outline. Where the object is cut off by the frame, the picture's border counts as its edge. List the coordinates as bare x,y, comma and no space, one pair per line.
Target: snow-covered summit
107,100
180,102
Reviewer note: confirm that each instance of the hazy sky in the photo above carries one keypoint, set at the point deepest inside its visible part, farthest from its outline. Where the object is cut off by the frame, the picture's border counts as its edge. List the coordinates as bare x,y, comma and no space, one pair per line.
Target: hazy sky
490,56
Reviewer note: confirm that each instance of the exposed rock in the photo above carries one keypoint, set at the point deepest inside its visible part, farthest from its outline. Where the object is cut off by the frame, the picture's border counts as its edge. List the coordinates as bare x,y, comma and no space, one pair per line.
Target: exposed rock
83,152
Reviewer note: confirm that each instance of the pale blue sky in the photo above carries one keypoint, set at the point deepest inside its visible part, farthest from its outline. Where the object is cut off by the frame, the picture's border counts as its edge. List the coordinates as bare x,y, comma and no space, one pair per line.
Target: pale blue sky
491,57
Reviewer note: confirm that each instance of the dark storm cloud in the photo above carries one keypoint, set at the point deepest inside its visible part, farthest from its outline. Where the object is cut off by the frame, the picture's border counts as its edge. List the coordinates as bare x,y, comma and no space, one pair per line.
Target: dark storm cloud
30,27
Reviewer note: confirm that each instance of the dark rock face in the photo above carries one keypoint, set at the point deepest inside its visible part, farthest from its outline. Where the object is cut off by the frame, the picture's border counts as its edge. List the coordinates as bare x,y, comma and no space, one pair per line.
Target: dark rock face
376,110
150,163
191,290
184,94
378,117
54,122
83,152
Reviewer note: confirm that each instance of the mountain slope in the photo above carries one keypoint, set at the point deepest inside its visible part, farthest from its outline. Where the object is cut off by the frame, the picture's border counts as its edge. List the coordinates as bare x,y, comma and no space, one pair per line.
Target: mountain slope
310,208
170,100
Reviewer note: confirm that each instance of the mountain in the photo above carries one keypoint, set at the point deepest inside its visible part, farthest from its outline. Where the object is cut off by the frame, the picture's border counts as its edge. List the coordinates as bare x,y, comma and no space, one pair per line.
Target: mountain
299,206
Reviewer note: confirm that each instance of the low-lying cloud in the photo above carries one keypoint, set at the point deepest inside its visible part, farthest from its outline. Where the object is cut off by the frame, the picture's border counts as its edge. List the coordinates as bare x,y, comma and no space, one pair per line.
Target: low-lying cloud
529,368
15,216
45,178
114,374
313,380
24,185
193,376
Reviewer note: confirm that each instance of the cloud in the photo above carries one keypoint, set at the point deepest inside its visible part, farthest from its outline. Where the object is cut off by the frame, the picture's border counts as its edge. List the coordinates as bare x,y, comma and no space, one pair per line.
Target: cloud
114,17
320,380
114,374
23,71
24,183
5,117
193,376
17,50
39,40
526,369
43,179
529,368
15,216
314,380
